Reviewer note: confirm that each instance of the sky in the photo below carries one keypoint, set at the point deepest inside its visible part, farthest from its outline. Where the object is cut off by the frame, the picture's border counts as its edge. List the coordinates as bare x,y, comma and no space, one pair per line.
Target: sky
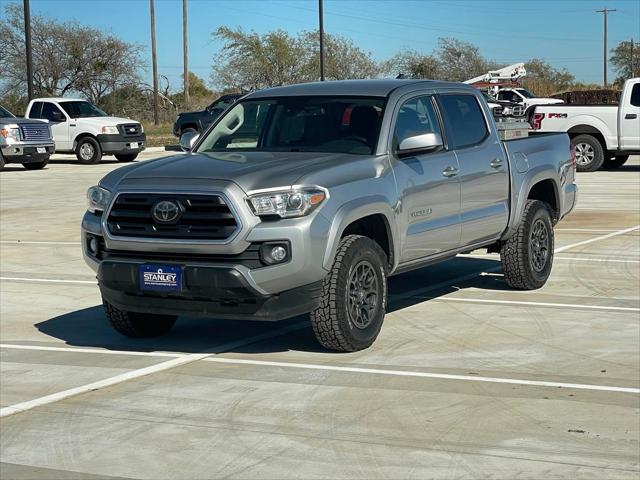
566,33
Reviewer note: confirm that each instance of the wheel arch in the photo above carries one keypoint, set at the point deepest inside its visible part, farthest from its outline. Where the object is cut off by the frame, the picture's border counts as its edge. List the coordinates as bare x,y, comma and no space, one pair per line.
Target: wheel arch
82,135
584,129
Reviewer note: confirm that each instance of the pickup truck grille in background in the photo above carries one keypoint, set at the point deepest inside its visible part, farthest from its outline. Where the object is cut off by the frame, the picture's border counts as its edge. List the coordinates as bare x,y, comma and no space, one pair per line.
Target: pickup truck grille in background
35,132
130,129
204,217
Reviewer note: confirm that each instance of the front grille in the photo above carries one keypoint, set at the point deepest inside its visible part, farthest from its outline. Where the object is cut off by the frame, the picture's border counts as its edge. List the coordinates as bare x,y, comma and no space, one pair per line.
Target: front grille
204,217
130,129
35,132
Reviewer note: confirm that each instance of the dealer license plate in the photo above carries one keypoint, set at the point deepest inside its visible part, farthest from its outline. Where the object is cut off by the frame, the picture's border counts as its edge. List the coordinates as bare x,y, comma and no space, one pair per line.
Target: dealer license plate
160,278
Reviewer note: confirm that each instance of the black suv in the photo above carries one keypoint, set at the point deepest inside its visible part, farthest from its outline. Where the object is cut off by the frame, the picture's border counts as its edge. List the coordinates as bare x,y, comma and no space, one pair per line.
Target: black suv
199,121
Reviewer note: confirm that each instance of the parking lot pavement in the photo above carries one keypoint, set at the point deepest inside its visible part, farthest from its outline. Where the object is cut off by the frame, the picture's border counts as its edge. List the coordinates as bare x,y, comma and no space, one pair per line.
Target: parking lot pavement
467,379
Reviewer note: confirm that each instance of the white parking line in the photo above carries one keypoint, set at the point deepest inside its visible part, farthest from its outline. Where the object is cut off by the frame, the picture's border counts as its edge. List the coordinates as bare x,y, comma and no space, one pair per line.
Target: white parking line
537,304
21,242
597,239
310,366
47,280
443,376
577,259
182,359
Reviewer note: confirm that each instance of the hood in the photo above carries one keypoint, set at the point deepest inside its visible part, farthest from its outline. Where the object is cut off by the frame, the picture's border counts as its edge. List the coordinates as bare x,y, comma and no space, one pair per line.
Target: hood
21,121
249,170
105,121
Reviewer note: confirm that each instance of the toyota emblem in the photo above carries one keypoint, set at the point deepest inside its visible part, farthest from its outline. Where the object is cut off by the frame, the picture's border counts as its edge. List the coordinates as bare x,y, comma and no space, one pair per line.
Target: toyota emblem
166,211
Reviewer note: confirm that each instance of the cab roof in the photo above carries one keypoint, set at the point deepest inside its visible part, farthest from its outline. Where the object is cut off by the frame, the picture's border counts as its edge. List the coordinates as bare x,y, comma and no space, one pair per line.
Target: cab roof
369,88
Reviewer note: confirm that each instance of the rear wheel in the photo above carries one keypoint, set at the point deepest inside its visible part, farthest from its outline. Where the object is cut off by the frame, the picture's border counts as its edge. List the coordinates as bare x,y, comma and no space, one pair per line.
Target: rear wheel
126,157
589,153
616,162
354,297
138,325
35,165
527,257
88,151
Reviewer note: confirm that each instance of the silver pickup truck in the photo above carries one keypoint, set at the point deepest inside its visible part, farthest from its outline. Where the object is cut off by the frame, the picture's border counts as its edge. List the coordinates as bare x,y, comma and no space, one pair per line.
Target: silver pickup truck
24,141
306,198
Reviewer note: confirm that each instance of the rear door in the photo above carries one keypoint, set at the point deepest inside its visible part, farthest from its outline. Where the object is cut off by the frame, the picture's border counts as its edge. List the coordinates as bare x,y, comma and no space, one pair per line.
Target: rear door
484,174
630,121
428,187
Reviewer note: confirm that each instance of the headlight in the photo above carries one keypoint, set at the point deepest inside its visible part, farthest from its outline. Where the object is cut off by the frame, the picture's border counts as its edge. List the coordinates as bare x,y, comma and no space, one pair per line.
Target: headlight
110,130
97,199
10,133
297,202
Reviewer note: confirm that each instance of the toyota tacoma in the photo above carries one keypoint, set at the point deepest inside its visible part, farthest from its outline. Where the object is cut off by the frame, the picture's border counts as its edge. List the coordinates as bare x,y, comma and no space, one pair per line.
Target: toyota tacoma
305,198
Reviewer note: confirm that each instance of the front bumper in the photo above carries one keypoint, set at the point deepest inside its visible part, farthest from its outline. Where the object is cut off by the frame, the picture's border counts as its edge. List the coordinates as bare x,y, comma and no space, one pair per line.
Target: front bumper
26,153
111,144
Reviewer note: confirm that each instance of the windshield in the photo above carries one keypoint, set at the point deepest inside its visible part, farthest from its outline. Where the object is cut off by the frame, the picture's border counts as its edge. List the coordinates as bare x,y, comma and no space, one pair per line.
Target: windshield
4,113
80,109
525,93
299,124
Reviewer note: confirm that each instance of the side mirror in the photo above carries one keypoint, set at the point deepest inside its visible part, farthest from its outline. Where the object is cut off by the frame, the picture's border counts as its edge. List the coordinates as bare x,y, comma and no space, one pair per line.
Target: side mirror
427,142
58,117
188,140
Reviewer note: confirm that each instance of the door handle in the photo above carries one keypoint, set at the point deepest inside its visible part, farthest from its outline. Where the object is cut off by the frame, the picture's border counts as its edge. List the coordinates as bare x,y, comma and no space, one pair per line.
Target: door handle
496,163
450,171
630,116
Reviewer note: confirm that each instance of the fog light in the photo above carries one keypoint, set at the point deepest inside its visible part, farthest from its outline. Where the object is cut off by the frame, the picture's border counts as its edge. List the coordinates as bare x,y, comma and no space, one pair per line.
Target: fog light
272,253
278,253
93,245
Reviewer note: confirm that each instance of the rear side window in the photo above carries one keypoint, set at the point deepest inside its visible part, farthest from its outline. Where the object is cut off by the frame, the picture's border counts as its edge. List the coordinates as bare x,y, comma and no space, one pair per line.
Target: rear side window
466,125
36,110
635,95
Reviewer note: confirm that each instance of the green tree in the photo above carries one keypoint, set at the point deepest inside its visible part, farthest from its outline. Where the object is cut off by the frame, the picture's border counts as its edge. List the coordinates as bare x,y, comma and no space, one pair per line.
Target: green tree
67,57
625,59
545,80
460,61
413,64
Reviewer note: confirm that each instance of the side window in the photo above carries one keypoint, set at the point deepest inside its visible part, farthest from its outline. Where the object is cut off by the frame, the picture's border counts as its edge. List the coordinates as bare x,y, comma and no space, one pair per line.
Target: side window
635,95
36,110
416,117
465,122
49,112
505,96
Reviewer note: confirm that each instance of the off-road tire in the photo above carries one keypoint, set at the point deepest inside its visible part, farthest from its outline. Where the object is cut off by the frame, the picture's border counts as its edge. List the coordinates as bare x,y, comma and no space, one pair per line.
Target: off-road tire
330,321
138,325
517,263
126,157
35,165
97,151
598,152
616,162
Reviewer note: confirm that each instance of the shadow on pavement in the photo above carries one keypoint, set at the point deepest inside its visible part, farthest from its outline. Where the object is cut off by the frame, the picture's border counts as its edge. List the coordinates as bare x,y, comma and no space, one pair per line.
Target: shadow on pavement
89,327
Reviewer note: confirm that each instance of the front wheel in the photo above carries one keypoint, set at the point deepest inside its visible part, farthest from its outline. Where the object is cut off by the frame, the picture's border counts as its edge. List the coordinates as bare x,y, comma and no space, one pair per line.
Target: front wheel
35,165
354,297
616,162
126,157
527,257
88,151
138,325
589,153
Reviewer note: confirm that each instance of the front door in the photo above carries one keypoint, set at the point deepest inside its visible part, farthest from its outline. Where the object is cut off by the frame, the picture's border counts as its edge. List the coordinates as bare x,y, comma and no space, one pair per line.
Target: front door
630,121
484,172
59,124
429,189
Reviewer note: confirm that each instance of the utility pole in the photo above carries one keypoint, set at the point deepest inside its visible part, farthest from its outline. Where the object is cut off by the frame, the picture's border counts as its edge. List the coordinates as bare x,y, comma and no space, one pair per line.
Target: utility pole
154,60
321,21
606,18
185,52
633,69
27,41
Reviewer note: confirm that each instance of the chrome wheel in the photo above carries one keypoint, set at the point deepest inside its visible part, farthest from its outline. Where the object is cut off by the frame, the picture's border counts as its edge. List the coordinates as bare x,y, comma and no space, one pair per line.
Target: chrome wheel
86,151
584,154
539,245
362,294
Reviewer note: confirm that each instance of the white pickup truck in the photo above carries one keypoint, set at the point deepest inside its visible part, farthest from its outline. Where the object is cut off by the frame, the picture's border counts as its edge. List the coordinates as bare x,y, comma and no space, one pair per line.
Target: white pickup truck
80,127
601,134
525,98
